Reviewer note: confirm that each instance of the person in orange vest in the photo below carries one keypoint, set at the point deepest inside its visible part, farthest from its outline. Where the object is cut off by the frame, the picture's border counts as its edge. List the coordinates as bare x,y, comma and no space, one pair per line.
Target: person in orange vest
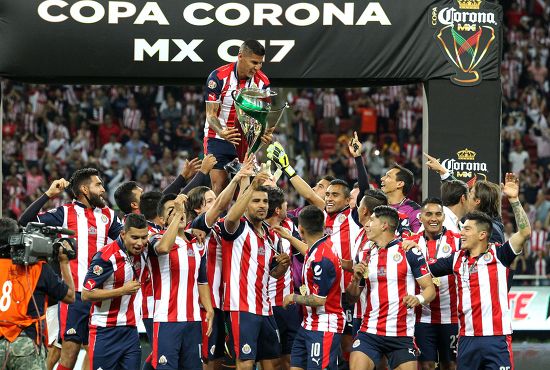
23,298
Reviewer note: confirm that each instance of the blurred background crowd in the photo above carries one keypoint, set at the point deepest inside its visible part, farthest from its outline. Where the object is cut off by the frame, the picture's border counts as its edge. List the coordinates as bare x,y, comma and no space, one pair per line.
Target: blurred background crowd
146,133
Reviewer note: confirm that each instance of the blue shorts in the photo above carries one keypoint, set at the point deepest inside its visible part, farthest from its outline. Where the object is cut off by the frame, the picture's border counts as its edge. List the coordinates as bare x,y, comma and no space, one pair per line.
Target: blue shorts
398,350
436,342
348,312
288,321
73,320
114,348
177,345
315,350
213,346
491,352
253,337
148,324
223,151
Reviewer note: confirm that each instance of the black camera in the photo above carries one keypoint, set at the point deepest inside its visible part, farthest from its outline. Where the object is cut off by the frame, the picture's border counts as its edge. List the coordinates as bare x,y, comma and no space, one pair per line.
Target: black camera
39,241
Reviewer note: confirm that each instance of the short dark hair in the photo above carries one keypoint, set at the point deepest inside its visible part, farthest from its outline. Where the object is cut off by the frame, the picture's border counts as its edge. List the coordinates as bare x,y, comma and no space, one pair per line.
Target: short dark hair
148,205
328,178
252,46
344,184
8,227
275,198
124,196
406,176
312,219
432,200
195,198
356,185
136,221
482,221
165,198
374,198
389,214
488,194
81,177
452,191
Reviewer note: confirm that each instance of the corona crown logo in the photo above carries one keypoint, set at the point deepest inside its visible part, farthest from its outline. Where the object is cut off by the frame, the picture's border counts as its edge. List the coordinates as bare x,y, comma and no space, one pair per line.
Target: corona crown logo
469,4
466,155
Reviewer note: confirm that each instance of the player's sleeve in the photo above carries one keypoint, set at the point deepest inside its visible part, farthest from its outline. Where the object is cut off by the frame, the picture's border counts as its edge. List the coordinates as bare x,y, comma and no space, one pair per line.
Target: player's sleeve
442,266
202,278
324,275
153,242
414,221
115,228
418,264
199,223
53,217
225,235
99,271
213,88
506,254
54,286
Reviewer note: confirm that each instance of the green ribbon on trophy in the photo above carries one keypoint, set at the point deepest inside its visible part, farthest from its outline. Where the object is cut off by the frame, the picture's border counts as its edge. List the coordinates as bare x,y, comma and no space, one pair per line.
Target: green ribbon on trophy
255,116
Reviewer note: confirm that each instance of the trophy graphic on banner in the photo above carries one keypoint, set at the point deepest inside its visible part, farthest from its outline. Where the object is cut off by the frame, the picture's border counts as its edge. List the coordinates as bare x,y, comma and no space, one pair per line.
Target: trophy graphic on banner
255,116
466,49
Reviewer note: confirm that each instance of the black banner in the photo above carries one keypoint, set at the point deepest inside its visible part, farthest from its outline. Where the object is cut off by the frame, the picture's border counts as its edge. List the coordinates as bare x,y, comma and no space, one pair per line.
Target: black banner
464,130
307,43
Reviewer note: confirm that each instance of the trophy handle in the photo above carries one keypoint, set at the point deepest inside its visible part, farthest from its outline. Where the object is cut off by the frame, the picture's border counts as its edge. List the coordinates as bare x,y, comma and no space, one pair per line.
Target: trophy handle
270,124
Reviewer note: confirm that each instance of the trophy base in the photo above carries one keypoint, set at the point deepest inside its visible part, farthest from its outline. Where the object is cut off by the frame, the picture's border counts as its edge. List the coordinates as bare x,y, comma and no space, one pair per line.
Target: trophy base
233,167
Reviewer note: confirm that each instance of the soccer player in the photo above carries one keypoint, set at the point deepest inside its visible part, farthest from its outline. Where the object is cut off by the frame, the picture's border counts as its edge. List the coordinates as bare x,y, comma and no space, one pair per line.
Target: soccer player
390,275
318,340
95,225
113,285
178,269
249,258
481,269
397,183
223,137
436,328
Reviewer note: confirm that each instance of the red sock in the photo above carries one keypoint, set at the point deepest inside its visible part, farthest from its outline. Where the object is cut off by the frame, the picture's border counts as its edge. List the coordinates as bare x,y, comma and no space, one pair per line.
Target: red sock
345,355
61,367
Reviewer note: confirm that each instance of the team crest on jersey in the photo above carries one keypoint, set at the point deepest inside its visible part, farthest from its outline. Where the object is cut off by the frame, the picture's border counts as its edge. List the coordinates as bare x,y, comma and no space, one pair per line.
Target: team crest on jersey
71,331
487,257
246,349
104,219
446,248
163,360
356,343
261,251
341,218
398,257
92,230
212,84
98,270
328,230
190,252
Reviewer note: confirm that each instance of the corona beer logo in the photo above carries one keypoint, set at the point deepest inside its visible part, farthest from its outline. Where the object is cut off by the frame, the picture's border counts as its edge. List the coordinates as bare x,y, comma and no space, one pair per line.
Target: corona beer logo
466,155
466,35
464,167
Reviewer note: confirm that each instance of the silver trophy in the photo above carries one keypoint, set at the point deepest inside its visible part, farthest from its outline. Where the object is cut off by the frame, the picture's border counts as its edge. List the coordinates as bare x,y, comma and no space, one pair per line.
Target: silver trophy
255,116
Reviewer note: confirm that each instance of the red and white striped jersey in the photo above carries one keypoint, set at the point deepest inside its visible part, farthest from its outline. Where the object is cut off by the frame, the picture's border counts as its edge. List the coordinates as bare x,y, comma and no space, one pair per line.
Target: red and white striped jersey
318,166
406,119
111,269
482,289
321,275
343,228
219,86
246,260
392,275
176,277
411,151
131,118
279,288
93,227
362,246
148,302
538,240
442,310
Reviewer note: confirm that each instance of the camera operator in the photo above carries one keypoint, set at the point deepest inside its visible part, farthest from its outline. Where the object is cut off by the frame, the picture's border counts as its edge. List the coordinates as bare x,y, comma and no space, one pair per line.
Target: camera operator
23,292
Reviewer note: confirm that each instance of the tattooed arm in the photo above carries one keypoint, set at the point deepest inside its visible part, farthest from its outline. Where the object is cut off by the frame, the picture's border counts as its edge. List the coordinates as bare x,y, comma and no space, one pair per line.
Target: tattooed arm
511,190
310,300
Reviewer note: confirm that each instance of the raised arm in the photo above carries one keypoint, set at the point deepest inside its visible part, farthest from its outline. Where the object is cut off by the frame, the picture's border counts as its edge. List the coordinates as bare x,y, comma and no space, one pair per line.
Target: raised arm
169,237
510,188
56,188
355,148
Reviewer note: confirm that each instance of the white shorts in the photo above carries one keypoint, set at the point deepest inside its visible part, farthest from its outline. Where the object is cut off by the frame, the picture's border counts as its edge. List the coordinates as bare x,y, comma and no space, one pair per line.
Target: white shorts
52,321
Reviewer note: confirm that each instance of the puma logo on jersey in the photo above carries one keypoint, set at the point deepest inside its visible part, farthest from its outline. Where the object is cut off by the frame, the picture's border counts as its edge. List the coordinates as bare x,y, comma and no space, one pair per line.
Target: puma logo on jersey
316,360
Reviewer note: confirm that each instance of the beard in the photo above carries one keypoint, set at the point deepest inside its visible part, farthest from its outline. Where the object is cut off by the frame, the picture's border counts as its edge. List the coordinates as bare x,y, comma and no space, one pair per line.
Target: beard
96,201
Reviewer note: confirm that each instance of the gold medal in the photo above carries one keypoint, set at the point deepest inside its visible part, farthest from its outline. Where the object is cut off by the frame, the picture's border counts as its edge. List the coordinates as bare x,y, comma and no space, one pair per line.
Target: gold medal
303,290
436,281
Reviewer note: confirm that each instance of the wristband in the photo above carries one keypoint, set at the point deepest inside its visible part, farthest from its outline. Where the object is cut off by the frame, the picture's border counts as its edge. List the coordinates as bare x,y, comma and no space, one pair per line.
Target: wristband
289,171
420,298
